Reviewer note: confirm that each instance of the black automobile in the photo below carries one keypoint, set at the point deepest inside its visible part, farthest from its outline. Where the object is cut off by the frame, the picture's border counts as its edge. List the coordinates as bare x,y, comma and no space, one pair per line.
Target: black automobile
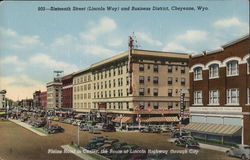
177,133
108,128
186,141
55,129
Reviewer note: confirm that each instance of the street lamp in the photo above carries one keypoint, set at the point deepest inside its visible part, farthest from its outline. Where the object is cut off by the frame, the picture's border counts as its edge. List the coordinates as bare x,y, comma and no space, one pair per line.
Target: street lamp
182,97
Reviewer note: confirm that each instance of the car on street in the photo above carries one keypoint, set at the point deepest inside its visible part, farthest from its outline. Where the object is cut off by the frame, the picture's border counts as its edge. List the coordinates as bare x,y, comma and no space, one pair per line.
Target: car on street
54,129
94,130
186,141
178,133
108,128
241,151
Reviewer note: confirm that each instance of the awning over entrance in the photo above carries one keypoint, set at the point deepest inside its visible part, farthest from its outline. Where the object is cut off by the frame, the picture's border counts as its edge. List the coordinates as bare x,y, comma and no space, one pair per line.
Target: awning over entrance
209,128
159,119
124,119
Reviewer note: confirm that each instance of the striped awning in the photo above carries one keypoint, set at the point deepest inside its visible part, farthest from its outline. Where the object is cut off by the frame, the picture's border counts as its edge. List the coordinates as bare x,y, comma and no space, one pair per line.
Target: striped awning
124,119
221,129
159,119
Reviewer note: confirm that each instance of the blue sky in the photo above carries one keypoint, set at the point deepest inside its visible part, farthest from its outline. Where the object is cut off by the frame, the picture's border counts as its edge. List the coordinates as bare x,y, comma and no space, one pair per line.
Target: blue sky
34,43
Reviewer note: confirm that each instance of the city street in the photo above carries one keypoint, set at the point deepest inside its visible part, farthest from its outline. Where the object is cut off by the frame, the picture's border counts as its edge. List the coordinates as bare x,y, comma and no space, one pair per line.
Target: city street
19,143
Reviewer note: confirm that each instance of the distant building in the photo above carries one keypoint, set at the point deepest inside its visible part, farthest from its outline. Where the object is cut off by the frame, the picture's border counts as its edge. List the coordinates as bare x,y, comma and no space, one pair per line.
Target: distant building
54,94
43,100
36,100
220,93
26,103
67,91
2,99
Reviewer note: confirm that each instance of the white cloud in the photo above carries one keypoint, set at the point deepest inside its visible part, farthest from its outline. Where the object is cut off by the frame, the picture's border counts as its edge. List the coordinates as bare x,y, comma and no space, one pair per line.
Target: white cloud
104,25
98,50
192,36
175,47
15,61
12,40
43,59
147,38
234,21
20,86
115,43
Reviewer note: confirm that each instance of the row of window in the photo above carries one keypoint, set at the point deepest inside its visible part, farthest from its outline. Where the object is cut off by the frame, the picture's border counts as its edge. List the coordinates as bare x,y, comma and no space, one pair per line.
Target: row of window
232,69
82,79
155,92
105,74
82,96
156,80
82,88
232,97
170,68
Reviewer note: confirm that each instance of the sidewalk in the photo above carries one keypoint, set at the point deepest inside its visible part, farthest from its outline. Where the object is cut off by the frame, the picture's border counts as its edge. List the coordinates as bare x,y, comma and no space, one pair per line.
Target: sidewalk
84,156
207,146
22,124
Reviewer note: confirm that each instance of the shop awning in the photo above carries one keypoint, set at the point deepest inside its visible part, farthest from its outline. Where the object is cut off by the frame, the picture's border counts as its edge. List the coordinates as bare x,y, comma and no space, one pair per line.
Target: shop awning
159,119
2,113
124,119
221,129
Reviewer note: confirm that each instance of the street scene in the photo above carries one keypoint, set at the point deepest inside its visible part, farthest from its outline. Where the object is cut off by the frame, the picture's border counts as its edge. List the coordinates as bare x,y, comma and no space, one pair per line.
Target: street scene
102,80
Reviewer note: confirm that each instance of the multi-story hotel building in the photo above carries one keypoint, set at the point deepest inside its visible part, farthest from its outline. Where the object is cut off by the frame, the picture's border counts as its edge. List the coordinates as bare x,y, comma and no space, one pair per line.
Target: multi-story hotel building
220,93
67,91
82,91
150,89
54,94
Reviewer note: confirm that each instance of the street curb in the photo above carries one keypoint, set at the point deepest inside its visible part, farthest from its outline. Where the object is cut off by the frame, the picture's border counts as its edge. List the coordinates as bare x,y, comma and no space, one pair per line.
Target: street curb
206,146
83,156
26,126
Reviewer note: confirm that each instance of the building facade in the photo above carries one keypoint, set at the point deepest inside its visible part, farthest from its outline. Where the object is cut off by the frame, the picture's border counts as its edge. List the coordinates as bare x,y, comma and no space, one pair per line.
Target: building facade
36,100
2,99
67,91
220,94
151,88
43,100
54,94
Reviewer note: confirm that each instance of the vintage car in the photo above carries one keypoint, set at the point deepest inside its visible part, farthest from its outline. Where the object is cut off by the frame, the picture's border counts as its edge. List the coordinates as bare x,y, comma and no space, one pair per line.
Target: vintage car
54,129
94,130
241,151
178,133
186,141
108,128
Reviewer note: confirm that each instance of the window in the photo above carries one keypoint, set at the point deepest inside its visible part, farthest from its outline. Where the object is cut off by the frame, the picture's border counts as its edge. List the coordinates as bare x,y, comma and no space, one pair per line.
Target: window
155,68
156,105
170,105
214,71
170,80
141,79
148,90
232,68
198,73
155,80
141,67
170,69
141,92
214,97
183,81
198,97
233,96
248,66
148,66
170,92
248,95
148,78
155,91
176,79
176,68
182,69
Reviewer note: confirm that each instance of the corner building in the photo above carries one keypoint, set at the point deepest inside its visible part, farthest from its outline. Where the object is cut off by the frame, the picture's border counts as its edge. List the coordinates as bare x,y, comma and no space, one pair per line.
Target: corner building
157,78
220,94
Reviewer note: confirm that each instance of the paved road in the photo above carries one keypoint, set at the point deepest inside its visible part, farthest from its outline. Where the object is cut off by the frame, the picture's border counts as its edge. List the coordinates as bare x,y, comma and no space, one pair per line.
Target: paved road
19,143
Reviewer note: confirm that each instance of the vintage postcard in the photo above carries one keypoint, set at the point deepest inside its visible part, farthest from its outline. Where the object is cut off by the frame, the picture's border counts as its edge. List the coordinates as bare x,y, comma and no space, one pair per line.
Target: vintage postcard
125,80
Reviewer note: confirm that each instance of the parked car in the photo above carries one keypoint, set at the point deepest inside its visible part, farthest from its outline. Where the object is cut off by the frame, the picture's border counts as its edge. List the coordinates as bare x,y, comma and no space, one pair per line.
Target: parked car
111,141
108,128
25,118
165,129
241,151
118,145
94,130
186,141
97,139
176,133
83,127
54,129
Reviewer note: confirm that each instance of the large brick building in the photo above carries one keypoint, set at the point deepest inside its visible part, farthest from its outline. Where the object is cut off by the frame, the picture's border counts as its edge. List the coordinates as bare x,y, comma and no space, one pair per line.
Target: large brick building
220,93
67,91
43,100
